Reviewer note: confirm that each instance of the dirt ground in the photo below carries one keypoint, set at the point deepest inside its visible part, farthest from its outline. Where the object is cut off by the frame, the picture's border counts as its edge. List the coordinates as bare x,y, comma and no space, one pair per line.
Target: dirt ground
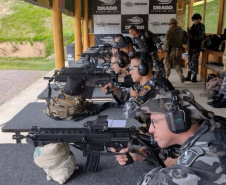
23,50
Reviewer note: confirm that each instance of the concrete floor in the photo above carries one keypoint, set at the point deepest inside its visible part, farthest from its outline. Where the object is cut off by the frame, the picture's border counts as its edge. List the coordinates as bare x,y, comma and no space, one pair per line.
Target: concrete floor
10,108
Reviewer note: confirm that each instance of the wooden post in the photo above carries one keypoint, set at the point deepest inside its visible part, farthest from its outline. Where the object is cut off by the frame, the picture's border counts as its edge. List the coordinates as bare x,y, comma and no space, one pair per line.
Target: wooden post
57,35
85,27
204,12
220,19
190,12
77,24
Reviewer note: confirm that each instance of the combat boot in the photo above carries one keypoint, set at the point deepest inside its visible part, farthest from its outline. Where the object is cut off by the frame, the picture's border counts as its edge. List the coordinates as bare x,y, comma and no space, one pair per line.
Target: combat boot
194,78
216,99
220,104
188,77
181,77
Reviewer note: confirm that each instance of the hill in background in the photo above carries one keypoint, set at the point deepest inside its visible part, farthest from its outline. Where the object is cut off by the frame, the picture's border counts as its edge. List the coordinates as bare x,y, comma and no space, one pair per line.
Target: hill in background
28,27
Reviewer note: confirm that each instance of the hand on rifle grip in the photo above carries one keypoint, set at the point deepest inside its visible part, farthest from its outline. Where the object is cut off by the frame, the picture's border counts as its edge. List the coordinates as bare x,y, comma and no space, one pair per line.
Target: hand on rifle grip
123,159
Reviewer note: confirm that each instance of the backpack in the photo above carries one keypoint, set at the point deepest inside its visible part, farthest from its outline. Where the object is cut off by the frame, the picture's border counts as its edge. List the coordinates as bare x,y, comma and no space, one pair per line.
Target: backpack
64,106
212,87
215,43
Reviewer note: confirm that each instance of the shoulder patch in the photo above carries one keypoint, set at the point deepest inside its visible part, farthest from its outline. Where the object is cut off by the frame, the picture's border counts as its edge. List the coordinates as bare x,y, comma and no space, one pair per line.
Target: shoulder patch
189,156
145,89
125,73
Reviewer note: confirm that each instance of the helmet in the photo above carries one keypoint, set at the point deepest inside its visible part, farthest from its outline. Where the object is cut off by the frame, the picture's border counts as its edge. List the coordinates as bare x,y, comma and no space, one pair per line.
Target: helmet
172,21
196,16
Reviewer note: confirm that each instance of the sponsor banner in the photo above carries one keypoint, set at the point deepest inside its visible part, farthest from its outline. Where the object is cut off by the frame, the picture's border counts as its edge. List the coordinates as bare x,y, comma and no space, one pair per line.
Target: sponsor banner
135,6
107,24
162,6
158,24
101,39
107,7
140,21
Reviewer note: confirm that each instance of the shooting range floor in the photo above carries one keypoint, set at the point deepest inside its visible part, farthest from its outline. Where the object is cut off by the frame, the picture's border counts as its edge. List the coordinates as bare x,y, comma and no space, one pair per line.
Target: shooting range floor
32,84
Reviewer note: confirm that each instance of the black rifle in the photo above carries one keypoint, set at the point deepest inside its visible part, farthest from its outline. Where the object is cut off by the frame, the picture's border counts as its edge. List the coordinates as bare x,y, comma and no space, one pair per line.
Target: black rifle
94,140
96,52
92,76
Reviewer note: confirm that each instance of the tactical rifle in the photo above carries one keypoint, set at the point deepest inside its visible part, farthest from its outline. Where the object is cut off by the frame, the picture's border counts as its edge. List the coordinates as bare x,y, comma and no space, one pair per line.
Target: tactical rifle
91,75
94,140
100,52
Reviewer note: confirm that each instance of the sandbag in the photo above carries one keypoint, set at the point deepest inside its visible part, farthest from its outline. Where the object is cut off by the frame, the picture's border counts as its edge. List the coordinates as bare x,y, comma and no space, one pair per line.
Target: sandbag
57,161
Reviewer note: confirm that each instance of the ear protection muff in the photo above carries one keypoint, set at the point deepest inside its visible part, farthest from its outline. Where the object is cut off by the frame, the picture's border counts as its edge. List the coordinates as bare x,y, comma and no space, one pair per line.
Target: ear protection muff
121,61
178,118
143,68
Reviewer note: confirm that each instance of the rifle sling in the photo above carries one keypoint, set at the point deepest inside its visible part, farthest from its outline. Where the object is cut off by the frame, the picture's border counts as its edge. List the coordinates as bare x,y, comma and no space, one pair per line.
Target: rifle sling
49,94
154,157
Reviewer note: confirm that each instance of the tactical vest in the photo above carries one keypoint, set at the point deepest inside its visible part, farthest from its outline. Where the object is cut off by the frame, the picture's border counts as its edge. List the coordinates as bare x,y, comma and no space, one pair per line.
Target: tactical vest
64,106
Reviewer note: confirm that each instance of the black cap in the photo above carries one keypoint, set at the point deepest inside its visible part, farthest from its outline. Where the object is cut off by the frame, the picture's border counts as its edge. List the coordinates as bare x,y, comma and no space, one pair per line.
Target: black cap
196,16
123,42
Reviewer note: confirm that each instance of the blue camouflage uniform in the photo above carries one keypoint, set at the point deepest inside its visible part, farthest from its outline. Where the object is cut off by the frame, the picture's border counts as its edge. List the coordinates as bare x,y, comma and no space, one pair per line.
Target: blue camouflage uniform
149,90
123,92
202,158
149,43
202,161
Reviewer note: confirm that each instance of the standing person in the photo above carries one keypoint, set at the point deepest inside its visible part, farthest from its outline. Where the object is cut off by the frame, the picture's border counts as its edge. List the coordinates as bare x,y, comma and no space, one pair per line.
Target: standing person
195,37
148,43
148,85
173,48
177,119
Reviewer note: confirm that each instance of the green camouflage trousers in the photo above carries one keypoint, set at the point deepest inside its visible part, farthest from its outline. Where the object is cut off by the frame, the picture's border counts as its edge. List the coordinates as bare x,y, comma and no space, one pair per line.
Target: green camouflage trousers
193,60
173,57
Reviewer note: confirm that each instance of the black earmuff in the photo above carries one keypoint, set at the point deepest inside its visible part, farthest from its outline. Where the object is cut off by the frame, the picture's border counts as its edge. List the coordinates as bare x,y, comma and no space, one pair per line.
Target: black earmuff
143,68
121,61
178,118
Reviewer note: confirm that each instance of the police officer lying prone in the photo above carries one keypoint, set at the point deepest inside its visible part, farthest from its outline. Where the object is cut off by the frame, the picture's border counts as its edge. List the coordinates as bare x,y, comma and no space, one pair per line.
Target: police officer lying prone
177,119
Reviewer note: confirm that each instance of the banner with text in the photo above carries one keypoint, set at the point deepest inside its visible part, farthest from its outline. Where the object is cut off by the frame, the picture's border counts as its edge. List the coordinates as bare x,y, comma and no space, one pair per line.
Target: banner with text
113,17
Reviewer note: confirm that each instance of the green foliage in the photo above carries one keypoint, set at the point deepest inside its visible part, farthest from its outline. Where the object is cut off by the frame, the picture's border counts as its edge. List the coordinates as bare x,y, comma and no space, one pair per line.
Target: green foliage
26,64
28,22
33,23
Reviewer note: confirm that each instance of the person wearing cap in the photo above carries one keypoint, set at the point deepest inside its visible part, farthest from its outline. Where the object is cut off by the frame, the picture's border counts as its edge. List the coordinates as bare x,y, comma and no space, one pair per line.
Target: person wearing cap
195,37
177,119
125,44
173,48
116,40
148,43
147,86
120,65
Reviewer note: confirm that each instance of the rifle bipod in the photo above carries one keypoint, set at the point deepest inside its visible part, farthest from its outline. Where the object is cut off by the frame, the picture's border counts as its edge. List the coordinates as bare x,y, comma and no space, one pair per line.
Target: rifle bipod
92,162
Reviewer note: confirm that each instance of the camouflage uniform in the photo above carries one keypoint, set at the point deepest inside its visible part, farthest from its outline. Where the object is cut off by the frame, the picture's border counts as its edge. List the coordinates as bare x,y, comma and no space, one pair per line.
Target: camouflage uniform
174,49
123,93
145,93
196,33
202,156
147,43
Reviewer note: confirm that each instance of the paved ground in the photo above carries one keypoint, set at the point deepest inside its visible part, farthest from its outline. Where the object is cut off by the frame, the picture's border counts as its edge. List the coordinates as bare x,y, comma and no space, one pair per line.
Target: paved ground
13,82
